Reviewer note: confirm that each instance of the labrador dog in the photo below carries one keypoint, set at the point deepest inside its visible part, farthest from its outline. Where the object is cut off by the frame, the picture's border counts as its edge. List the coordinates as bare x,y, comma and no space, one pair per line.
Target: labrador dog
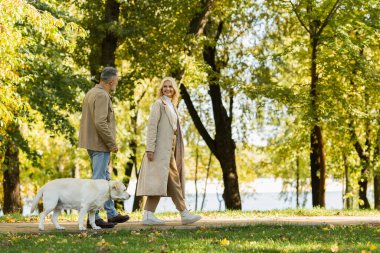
85,195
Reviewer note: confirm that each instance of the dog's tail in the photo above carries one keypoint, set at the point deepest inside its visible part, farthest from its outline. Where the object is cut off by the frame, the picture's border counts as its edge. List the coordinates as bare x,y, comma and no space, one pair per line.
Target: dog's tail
36,199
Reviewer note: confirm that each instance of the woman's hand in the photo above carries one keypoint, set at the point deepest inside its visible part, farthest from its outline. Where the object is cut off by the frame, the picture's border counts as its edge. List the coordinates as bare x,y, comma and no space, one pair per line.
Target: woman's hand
150,155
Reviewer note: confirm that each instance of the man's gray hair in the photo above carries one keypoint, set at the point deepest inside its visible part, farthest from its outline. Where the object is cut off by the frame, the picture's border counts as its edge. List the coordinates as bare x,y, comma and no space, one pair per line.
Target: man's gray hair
108,74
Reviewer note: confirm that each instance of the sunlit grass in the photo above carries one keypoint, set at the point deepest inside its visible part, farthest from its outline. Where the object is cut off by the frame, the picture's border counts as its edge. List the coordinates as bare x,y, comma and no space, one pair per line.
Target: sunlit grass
217,215
258,238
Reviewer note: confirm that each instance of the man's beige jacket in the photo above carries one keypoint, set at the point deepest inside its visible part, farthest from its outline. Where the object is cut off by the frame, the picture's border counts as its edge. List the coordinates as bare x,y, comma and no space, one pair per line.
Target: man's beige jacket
97,126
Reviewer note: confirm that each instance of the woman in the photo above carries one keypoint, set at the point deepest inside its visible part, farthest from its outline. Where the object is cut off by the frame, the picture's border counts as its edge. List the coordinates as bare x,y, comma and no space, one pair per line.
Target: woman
162,170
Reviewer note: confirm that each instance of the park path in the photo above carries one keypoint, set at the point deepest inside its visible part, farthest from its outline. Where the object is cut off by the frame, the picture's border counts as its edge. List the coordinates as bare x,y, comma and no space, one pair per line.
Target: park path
31,227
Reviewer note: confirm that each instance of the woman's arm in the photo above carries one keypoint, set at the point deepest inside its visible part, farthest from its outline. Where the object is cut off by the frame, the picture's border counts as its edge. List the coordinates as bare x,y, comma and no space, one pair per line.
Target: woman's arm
154,118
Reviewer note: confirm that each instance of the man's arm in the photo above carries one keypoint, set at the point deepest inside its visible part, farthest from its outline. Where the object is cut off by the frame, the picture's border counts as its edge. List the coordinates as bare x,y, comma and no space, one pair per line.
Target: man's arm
100,116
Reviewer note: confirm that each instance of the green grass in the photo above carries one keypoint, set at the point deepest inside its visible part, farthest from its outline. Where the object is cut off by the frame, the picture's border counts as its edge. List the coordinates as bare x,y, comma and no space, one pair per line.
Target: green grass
212,215
259,238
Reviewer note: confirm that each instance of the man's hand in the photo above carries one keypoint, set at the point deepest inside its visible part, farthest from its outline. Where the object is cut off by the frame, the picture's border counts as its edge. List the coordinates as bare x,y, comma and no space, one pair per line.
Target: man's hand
150,155
114,149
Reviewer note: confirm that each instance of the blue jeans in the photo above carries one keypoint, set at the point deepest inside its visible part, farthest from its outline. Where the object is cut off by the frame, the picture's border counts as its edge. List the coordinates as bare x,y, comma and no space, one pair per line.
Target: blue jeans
99,161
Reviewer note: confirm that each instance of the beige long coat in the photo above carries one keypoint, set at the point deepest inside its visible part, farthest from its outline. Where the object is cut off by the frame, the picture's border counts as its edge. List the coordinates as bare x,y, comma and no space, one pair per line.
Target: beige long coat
153,177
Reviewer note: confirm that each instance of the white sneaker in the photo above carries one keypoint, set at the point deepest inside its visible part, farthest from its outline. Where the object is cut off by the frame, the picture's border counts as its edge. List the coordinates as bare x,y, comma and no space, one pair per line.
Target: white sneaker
188,218
150,219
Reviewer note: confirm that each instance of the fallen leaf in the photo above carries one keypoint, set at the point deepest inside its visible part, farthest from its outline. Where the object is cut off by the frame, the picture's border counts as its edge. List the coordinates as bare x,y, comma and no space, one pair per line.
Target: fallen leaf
151,238
371,246
335,248
224,242
163,248
102,243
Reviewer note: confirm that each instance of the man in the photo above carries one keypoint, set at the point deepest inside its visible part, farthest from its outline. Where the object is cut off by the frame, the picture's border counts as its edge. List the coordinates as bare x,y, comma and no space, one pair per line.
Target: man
97,134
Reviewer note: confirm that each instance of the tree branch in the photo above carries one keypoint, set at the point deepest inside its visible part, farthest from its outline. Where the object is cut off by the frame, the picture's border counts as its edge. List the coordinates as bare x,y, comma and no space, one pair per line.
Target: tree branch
231,95
299,17
219,31
198,23
358,147
196,119
329,16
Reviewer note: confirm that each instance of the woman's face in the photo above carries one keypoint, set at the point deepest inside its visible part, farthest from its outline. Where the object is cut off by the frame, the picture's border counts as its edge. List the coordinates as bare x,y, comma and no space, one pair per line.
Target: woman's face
168,89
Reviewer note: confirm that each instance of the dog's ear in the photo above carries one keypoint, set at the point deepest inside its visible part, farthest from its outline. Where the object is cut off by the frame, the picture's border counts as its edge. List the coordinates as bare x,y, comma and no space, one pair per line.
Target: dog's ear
113,184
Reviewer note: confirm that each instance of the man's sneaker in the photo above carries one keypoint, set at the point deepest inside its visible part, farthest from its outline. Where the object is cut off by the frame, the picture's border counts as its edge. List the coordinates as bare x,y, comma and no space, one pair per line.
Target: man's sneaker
150,219
101,223
118,219
188,218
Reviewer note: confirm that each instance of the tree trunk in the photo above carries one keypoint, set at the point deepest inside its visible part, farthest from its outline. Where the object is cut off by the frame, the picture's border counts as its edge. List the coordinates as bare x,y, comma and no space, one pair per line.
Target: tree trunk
314,26
317,152
103,52
138,201
348,187
298,182
318,167
224,144
376,184
364,162
109,43
11,176
223,147
207,176
363,183
196,174
376,179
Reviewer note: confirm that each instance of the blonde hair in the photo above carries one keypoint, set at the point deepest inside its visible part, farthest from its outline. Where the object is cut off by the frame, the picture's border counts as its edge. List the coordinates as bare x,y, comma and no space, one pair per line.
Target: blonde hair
175,87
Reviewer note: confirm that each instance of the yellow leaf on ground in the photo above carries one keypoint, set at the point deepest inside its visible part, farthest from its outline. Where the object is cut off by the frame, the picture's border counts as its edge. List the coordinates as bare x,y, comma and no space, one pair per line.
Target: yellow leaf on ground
371,246
102,243
224,242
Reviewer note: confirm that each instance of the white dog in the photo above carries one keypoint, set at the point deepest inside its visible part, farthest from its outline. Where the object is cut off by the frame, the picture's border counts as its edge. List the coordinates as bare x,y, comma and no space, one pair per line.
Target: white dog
85,195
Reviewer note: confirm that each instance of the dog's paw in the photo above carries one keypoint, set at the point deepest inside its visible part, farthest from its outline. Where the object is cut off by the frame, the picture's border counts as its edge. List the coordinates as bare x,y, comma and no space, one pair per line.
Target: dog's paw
41,228
82,228
96,227
60,228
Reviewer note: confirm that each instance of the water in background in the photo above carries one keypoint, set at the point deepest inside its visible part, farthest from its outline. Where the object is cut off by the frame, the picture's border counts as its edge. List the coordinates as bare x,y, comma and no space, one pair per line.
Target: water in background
262,194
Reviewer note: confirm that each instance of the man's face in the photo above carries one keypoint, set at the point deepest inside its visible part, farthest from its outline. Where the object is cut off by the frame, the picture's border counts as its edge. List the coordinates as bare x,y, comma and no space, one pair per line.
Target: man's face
113,83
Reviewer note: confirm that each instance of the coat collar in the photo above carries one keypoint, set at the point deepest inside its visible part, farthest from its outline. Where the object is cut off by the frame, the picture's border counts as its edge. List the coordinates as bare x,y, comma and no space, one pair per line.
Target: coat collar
101,87
168,113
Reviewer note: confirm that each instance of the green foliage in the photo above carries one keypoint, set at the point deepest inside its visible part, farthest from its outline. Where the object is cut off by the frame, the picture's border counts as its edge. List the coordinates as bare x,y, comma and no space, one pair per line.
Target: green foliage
40,85
49,49
348,79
